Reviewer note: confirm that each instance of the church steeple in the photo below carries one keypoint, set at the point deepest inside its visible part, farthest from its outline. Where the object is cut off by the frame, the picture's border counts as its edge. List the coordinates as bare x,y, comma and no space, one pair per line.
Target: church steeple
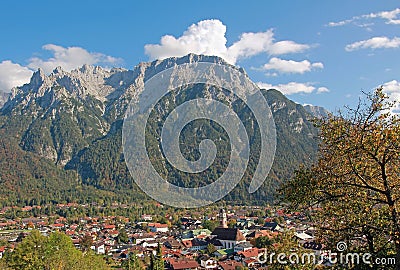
223,223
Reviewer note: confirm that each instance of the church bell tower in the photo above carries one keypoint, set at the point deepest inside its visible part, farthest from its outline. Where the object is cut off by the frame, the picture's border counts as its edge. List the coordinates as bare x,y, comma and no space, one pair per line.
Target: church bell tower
223,223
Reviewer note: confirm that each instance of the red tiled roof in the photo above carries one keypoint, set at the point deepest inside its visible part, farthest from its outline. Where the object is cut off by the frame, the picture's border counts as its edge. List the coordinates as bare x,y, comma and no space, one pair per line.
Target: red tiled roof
250,253
70,232
184,264
267,233
249,261
158,225
113,232
229,265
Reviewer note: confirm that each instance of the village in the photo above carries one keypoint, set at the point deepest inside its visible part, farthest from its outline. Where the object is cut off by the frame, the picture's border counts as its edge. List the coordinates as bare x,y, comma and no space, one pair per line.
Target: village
224,239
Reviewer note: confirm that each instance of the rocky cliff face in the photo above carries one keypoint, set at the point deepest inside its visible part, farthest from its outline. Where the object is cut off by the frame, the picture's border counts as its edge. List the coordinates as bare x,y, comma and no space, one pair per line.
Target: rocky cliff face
74,119
316,111
3,98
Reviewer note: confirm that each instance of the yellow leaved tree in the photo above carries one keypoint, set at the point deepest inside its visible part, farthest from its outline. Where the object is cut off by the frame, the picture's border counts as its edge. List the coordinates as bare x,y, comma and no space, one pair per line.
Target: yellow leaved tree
352,192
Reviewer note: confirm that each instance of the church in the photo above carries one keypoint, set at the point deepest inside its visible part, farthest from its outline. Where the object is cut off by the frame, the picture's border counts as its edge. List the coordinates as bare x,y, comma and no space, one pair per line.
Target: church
229,237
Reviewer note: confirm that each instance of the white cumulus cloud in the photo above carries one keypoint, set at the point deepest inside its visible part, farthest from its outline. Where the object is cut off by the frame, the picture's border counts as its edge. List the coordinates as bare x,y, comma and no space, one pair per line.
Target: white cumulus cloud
208,37
287,46
12,74
264,85
205,37
374,43
293,88
392,88
291,66
250,44
70,58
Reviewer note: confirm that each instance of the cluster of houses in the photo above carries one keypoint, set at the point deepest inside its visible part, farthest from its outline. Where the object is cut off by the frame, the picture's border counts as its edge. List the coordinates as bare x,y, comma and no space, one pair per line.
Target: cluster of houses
187,246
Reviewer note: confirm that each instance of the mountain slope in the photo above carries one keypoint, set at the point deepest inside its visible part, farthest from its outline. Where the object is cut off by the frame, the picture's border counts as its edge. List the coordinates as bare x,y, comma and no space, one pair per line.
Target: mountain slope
3,98
26,178
73,120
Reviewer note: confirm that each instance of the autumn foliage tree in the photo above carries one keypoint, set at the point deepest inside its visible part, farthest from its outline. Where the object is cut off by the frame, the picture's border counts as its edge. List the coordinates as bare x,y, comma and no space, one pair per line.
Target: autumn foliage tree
353,188
55,251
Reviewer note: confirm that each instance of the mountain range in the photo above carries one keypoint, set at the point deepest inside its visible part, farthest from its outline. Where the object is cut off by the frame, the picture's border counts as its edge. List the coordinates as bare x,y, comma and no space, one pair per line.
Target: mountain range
60,136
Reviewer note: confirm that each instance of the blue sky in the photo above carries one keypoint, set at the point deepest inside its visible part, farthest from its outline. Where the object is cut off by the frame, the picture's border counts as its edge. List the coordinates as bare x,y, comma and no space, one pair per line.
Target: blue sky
317,52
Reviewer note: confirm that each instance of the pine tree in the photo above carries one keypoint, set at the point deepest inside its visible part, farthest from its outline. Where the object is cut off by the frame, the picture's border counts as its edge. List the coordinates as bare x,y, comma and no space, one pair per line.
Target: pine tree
132,263
157,262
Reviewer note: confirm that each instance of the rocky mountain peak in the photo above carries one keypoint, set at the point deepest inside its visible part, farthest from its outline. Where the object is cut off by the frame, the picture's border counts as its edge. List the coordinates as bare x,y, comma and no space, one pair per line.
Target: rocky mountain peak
37,80
113,88
58,70
316,111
